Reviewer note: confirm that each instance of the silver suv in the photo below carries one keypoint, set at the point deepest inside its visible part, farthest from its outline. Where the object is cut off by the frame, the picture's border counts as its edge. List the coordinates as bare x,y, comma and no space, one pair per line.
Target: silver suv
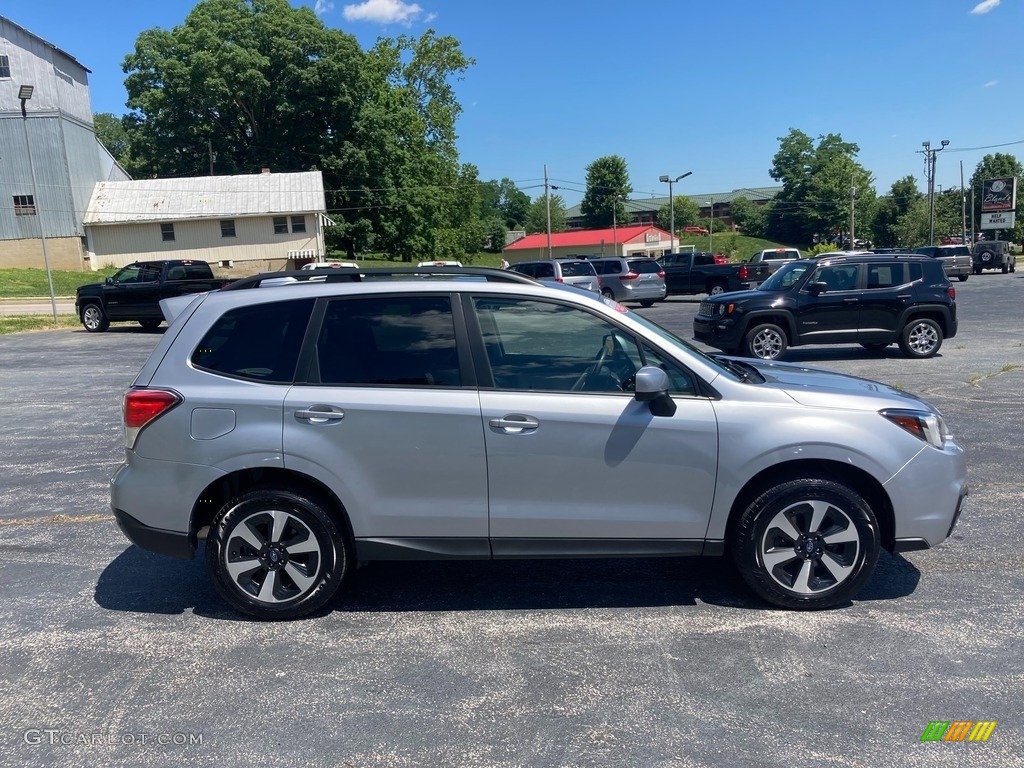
306,428
636,279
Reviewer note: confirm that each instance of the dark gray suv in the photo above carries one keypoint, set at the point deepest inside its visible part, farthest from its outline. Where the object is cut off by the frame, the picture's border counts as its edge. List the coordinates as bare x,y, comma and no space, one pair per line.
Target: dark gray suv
306,428
994,254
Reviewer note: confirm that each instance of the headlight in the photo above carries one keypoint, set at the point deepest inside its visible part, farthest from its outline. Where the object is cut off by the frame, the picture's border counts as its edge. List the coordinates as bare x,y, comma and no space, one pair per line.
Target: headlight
921,424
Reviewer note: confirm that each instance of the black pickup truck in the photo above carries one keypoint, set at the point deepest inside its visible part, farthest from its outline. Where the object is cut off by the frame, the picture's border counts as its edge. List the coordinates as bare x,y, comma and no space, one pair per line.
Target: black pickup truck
134,292
698,273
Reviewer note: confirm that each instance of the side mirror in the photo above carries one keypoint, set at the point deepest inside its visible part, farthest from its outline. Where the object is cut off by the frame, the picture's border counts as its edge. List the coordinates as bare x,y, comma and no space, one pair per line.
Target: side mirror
651,387
109,281
817,289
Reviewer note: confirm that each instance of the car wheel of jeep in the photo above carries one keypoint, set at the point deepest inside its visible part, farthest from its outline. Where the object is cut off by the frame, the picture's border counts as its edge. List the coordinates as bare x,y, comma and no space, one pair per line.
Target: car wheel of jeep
962,278
767,342
93,319
874,346
1013,265
1005,268
807,543
977,270
276,554
150,325
921,338
716,289
986,256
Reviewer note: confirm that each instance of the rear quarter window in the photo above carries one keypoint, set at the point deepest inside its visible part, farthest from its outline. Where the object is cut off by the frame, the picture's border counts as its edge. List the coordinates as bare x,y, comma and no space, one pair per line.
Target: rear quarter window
259,342
645,266
577,268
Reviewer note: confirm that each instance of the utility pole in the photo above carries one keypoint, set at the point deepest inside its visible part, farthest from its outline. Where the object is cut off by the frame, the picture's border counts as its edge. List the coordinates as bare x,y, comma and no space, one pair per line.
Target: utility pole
929,166
213,157
853,207
963,207
547,199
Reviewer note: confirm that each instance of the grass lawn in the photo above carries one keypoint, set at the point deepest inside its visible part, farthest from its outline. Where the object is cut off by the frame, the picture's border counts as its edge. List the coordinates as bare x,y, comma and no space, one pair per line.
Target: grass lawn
21,323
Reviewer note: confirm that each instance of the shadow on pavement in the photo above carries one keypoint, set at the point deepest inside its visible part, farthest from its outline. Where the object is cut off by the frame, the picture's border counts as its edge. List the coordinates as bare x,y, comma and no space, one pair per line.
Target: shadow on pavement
142,582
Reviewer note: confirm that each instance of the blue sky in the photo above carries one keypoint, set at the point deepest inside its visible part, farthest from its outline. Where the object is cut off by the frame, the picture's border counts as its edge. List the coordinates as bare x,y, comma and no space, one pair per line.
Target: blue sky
670,85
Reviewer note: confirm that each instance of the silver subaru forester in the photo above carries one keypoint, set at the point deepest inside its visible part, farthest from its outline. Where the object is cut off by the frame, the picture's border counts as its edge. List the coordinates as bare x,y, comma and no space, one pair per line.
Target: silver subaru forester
305,428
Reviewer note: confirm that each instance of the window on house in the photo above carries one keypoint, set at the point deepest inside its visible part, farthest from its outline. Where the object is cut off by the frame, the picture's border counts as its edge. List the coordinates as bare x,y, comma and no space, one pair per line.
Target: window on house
227,227
5,66
167,231
298,223
24,205
280,225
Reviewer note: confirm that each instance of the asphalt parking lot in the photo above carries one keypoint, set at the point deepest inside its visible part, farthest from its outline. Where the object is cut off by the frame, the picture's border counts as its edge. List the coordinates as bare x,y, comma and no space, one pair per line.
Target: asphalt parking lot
117,657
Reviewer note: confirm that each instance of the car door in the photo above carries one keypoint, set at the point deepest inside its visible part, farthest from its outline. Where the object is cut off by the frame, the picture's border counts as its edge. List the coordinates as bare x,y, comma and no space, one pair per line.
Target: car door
832,316
135,294
388,411
574,462
887,295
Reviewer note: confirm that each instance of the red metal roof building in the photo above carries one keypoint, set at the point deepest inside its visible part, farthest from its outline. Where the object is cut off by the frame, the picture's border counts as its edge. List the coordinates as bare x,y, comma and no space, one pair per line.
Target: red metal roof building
642,240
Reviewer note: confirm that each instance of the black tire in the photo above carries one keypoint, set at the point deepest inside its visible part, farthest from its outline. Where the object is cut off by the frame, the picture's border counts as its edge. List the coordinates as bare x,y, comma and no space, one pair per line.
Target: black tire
94,319
1013,265
716,289
150,325
1005,268
285,578
831,556
962,278
607,293
874,346
647,303
977,270
766,342
921,338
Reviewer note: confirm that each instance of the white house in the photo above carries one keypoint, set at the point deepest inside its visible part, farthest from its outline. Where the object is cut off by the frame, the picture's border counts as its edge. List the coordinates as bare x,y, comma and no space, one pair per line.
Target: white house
247,223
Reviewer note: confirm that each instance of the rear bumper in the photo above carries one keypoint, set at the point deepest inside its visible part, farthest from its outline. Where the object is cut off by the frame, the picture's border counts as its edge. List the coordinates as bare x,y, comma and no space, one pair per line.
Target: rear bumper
171,543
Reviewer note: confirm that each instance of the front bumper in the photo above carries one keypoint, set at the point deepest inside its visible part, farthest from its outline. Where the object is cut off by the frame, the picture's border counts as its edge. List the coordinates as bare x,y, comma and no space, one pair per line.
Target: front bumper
928,496
717,332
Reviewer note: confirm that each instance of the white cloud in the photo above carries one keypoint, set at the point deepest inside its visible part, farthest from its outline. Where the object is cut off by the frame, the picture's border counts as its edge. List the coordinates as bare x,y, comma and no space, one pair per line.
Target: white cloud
322,7
389,11
984,6
990,83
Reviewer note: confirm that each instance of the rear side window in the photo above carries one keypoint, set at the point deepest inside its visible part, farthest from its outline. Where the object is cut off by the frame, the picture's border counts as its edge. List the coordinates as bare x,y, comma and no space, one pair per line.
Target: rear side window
400,341
259,342
892,275
645,266
577,268
703,259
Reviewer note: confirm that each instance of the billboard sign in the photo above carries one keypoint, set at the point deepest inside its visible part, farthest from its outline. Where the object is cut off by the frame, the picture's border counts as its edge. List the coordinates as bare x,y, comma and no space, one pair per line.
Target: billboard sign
999,194
998,220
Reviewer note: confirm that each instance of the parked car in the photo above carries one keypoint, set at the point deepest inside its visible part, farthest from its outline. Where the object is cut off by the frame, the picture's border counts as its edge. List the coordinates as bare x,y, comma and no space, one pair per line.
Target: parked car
329,265
635,279
689,273
869,299
695,230
441,263
774,257
310,428
134,292
993,254
956,259
577,272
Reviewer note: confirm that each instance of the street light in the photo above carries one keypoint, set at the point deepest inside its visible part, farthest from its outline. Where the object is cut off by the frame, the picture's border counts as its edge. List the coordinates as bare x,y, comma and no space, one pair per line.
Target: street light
672,207
25,93
615,233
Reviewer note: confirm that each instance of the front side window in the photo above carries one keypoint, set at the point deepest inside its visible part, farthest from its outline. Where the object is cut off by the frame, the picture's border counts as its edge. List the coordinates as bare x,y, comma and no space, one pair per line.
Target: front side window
396,341
227,227
538,345
298,223
841,277
280,225
24,205
259,342
167,232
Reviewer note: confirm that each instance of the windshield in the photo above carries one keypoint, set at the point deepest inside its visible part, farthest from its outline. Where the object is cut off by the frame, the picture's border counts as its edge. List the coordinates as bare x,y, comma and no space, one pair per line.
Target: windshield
788,275
671,339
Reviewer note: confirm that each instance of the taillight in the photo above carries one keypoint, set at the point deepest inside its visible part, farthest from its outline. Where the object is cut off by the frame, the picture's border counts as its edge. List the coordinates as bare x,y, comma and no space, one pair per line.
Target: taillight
141,406
744,272
559,280
629,276
952,292
661,274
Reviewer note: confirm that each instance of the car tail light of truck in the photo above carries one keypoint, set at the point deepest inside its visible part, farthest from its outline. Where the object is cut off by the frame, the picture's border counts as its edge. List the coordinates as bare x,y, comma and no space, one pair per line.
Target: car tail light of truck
143,406
744,273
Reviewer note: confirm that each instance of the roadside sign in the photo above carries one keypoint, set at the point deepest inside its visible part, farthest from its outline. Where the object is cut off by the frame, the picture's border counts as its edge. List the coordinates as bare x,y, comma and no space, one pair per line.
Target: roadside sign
1001,220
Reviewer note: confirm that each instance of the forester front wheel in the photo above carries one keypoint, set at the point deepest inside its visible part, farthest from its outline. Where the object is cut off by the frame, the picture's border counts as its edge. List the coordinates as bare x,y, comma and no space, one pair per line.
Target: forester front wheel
807,543
276,554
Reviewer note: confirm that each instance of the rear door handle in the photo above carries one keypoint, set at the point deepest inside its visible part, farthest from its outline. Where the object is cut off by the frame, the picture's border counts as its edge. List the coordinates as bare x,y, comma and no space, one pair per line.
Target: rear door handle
320,414
515,424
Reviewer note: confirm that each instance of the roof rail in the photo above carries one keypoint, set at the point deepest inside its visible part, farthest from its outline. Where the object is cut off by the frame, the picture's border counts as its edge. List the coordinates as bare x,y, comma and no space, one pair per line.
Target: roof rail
360,275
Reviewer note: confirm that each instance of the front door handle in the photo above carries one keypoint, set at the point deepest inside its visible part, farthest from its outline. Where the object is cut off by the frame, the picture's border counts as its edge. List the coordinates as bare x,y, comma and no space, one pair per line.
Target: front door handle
515,424
320,414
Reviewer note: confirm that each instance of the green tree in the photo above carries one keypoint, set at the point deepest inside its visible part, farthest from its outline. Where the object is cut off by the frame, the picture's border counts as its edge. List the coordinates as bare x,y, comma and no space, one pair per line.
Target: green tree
113,135
607,186
997,166
748,217
889,225
816,188
513,203
685,210
537,215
